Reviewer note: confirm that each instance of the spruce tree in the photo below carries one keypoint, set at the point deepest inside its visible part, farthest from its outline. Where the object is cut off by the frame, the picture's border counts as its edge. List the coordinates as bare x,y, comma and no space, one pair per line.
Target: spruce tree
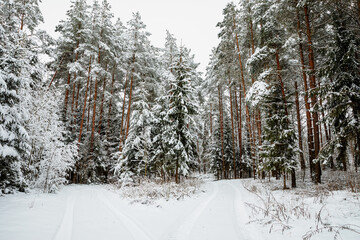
18,71
182,108
342,87
278,149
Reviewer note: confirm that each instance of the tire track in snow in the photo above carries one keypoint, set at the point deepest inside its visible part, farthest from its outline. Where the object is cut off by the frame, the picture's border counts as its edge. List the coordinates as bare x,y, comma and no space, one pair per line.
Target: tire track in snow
64,231
239,206
233,211
242,216
183,231
135,230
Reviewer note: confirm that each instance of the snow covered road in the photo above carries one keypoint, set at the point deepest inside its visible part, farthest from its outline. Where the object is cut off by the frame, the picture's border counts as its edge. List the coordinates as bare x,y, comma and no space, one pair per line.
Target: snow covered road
93,212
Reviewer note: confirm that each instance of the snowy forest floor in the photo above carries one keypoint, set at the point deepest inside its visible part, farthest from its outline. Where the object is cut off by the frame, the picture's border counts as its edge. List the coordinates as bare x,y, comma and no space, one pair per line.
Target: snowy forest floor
227,209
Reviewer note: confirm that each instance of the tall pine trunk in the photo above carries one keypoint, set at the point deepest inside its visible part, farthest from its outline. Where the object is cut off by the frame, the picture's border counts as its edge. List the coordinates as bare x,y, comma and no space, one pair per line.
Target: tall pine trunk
232,130
281,82
56,71
93,116
310,135
211,121
122,115
67,91
221,133
74,86
313,96
301,154
85,100
94,105
238,116
102,106
257,112
130,96
89,106
110,103
252,144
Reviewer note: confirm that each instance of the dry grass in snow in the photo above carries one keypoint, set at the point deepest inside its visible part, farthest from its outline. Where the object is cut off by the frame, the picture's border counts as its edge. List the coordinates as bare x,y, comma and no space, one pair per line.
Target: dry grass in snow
326,211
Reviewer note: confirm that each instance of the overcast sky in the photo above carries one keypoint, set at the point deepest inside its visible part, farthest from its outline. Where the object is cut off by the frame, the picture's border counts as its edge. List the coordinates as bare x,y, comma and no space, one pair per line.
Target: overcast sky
191,21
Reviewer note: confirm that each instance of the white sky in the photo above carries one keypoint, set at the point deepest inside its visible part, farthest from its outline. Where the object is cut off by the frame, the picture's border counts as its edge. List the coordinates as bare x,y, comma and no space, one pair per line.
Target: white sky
191,21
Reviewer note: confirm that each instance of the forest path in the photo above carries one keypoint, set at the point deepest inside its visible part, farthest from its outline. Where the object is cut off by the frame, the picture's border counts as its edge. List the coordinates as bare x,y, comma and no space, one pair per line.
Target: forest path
221,215
84,212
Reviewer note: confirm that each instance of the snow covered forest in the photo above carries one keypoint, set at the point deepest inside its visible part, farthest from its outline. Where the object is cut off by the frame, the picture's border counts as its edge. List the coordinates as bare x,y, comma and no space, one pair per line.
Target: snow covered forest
280,99
281,93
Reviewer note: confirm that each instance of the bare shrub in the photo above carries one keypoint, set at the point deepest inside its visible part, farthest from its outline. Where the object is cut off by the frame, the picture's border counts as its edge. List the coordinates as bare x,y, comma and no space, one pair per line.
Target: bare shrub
276,213
147,192
322,226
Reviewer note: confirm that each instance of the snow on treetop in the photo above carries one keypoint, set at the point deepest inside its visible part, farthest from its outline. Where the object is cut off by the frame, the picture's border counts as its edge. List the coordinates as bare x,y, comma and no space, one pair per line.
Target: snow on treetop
257,91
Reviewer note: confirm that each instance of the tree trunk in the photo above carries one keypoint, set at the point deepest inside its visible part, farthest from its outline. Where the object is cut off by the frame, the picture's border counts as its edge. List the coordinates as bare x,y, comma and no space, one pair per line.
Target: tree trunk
252,41
122,115
110,103
56,71
22,21
211,121
284,180
77,96
310,136
252,145
238,116
281,82
89,107
257,112
253,130
232,130
74,86
94,106
93,117
252,35
313,96
85,100
199,159
73,100
293,178
67,94
177,180
130,95
102,106
327,138
301,154
222,133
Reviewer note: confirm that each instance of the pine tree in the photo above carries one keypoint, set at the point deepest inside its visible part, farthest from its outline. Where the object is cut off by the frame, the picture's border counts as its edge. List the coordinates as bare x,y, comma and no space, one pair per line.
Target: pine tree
74,33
